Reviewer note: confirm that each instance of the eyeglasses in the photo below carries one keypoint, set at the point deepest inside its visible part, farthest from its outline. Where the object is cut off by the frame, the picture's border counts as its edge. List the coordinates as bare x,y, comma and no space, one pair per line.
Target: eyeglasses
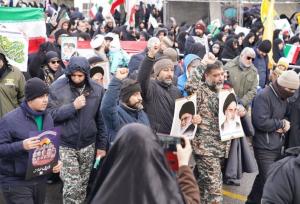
250,58
55,62
77,75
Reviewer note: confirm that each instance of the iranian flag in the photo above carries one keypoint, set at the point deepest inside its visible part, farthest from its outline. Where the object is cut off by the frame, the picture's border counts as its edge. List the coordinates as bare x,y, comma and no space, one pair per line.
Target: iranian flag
291,52
115,4
93,11
30,21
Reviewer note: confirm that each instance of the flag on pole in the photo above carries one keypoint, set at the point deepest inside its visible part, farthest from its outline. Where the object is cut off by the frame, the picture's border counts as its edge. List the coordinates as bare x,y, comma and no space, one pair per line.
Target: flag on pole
29,21
93,11
267,15
291,52
115,4
130,10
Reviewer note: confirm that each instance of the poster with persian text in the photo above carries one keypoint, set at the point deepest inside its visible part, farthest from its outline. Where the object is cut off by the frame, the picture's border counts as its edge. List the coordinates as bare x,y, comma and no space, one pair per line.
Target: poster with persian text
42,159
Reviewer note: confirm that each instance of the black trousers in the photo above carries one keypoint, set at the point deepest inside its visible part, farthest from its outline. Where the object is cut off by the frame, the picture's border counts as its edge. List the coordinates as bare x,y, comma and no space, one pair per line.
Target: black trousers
264,159
29,194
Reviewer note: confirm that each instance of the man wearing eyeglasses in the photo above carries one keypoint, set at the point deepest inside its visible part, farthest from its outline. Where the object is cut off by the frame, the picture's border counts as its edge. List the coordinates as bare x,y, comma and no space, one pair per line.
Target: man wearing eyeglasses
74,103
243,76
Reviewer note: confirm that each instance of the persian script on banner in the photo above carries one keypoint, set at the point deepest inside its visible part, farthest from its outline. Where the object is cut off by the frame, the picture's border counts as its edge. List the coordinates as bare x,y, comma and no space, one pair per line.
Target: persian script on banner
42,159
14,46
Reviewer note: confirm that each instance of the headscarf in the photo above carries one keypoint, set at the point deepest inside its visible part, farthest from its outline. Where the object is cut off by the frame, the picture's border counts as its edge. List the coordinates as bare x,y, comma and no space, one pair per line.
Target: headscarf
136,171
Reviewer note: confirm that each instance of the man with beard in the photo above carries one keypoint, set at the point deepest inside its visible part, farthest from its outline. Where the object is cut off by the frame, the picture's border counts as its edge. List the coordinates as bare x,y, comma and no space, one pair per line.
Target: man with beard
122,104
268,117
159,93
243,76
74,104
199,35
209,150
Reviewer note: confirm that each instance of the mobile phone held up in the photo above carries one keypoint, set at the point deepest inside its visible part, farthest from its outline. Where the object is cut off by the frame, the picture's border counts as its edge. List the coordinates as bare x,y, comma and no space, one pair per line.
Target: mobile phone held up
169,142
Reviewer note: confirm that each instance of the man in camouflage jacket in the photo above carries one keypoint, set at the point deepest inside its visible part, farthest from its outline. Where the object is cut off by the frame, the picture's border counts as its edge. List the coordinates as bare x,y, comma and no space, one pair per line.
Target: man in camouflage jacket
209,150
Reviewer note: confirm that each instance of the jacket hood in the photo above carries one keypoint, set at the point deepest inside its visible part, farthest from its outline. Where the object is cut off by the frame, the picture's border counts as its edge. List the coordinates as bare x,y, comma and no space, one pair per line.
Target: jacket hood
188,59
78,64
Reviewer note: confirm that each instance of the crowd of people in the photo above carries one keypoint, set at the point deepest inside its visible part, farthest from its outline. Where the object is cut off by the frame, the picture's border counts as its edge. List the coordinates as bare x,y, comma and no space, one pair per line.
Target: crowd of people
119,123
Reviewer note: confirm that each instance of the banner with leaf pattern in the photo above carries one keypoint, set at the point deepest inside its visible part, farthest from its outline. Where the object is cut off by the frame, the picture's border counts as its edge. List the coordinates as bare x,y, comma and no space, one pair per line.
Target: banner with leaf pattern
14,46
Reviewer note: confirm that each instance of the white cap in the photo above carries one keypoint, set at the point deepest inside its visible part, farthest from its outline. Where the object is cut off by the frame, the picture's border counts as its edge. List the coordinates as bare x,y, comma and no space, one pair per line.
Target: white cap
97,41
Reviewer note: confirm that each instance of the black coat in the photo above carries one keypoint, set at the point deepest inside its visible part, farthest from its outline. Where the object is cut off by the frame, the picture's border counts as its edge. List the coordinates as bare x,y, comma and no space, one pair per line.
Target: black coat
294,118
268,111
79,128
283,183
159,98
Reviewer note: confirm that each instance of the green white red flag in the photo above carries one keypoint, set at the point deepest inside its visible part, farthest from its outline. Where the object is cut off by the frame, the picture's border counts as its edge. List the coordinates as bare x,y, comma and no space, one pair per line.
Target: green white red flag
29,21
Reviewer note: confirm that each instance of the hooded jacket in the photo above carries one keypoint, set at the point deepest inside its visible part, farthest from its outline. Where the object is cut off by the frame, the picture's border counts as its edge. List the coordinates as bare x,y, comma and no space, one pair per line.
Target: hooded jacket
83,127
12,84
183,78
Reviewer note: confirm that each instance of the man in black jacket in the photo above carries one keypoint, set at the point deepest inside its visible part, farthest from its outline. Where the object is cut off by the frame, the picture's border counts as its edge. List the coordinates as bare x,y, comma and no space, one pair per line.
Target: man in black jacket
268,117
159,93
15,144
282,185
74,104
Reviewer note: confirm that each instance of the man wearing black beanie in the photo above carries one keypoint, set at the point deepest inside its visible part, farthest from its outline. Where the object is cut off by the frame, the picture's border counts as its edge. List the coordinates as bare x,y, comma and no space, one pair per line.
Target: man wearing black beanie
15,128
261,61
122,104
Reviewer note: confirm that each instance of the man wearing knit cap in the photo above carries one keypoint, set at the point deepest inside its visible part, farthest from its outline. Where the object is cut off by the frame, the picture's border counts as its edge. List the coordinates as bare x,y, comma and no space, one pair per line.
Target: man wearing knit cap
268,117
74,104
122,104
15,143
199,34
12,84
261,61
159,93
173,55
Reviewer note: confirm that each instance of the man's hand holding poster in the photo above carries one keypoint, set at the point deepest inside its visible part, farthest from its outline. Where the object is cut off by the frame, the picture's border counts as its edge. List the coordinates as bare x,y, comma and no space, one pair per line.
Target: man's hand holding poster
229,118
42,159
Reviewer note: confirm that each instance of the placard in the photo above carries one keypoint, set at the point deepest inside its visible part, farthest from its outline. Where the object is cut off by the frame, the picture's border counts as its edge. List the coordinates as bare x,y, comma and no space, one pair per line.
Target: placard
68,47
185,110
229,121
42,159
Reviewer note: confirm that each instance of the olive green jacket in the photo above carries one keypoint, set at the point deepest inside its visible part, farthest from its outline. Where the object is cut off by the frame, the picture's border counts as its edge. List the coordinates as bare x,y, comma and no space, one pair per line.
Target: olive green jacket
12,85
243,81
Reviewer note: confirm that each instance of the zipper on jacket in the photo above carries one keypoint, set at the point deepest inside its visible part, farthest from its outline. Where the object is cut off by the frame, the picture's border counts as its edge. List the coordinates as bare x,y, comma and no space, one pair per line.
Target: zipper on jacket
268,138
